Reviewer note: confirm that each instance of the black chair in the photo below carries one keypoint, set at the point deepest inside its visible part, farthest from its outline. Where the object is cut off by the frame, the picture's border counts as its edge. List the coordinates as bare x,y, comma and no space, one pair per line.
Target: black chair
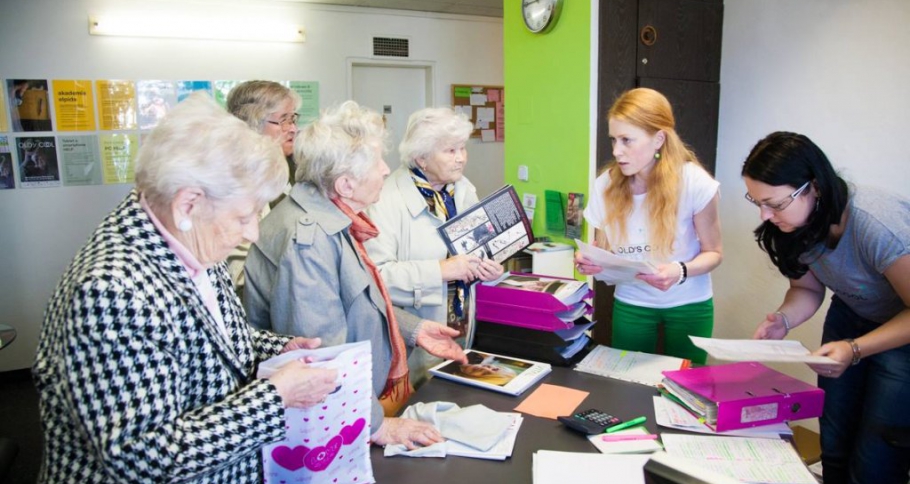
8,451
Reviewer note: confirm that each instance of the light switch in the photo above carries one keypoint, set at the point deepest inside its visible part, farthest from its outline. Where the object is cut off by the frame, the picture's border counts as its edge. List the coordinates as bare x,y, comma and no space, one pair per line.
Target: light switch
523,172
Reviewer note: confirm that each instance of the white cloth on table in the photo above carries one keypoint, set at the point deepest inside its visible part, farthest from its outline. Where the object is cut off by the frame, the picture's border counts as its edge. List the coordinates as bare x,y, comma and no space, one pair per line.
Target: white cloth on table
476,426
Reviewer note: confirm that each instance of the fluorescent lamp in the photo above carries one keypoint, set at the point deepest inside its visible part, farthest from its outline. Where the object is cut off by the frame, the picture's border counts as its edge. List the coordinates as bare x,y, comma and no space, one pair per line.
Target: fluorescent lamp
212,29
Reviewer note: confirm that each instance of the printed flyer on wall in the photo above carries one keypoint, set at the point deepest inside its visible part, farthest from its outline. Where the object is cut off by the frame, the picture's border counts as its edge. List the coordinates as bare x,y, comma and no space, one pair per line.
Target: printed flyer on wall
156,98
7,177
74,105
29,105
118,157
116,104
81,160
38,162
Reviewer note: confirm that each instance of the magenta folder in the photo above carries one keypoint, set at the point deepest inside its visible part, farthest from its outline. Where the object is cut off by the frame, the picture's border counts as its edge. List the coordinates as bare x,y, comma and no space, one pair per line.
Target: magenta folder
518,307
749,394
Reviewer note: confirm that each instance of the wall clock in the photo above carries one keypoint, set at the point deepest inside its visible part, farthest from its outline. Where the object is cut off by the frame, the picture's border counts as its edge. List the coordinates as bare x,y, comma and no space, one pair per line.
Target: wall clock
540,15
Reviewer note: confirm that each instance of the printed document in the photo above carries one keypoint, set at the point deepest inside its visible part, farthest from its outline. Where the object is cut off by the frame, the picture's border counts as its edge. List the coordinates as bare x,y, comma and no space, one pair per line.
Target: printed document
766,461
758,350
615,269
631,366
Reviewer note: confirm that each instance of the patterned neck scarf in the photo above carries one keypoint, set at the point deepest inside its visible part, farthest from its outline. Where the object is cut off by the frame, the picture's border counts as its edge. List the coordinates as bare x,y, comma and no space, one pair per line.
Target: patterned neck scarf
362,229
442,203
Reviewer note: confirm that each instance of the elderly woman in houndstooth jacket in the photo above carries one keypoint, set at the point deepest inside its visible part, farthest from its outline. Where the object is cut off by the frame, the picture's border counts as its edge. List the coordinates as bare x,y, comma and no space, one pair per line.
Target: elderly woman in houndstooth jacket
146,364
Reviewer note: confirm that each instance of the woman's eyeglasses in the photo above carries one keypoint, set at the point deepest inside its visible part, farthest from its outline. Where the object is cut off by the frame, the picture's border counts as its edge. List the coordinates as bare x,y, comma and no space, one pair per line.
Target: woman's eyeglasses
286,122
781,205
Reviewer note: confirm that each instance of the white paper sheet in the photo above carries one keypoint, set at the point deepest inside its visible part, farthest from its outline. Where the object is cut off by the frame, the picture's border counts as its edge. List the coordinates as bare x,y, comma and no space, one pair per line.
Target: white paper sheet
615,269
631,366
746,459
671,415
758,350
553,467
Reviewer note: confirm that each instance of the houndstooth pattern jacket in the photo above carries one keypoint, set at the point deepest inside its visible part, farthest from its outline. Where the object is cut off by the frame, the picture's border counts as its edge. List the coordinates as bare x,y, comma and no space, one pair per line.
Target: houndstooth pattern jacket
136,381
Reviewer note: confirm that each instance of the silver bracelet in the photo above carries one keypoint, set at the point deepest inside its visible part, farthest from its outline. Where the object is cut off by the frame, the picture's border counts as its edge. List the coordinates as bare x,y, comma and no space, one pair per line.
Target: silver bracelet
857,352
785,319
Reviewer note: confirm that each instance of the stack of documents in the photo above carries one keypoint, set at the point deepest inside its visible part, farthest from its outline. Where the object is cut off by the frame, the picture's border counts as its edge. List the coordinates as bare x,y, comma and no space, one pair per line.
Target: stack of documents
554,467
631,366
636,440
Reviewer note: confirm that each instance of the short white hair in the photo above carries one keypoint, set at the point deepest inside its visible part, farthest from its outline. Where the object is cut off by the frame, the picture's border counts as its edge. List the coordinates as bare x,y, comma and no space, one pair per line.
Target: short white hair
199,144
430,130
341,142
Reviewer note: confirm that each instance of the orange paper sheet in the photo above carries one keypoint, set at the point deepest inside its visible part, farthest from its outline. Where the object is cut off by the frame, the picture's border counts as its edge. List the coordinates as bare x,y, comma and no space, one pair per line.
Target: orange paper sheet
551,401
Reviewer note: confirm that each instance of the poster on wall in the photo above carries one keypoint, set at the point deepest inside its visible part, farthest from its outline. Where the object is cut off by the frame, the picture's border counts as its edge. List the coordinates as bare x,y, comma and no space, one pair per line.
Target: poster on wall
7,178
29,106
74,105
155,99
37,162
185,88
4,108
118,157
116,104
222,88
574,208
309,94
80,159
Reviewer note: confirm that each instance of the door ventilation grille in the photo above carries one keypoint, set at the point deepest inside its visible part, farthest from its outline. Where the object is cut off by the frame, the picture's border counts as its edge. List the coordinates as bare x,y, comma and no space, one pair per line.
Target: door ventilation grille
389,47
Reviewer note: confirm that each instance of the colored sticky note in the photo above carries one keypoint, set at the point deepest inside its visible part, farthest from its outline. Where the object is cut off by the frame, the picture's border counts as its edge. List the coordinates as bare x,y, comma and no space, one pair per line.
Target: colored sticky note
551,401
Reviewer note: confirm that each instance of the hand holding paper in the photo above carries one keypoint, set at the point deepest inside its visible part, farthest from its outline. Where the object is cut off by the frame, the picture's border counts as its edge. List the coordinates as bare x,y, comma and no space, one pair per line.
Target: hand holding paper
758,350
614,269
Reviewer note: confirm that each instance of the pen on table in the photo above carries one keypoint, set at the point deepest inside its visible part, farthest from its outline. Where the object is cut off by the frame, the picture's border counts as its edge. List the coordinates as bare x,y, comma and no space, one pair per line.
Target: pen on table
625,425
621,438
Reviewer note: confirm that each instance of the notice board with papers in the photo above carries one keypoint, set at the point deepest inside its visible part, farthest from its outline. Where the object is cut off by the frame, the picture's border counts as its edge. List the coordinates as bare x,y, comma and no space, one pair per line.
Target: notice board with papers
485,107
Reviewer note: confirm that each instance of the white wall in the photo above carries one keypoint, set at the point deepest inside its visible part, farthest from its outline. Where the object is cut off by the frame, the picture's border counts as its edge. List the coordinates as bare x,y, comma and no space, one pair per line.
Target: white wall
42,228
834,70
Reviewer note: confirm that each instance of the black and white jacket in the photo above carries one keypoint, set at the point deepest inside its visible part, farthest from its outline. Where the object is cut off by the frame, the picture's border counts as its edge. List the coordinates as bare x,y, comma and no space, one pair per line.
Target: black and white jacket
137,383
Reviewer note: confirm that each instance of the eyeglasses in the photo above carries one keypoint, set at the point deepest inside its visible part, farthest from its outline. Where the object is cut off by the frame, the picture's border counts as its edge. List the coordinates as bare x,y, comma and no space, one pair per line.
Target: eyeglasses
781,205
285,122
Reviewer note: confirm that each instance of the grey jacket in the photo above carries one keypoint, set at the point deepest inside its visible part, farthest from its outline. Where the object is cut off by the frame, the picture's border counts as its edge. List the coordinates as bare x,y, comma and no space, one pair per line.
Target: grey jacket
304,277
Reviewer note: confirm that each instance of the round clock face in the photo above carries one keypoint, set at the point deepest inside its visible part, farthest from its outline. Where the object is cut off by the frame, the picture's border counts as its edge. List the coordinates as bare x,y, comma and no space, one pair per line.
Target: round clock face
540,15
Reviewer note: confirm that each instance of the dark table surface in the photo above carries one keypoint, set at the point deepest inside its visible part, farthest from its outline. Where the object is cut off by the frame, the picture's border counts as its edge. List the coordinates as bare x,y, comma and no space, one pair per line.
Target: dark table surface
625,400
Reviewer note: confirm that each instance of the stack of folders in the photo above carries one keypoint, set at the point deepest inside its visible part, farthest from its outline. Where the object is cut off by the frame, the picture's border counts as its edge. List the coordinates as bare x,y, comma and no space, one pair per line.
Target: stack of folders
694,402
743,395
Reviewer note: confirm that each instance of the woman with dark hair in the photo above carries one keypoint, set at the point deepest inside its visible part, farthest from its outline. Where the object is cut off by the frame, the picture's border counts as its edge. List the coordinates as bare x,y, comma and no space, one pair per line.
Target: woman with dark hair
821,232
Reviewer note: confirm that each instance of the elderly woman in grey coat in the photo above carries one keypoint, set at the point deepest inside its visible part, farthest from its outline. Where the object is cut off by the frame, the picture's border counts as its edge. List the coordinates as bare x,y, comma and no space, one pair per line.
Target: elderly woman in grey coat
146,366
310,275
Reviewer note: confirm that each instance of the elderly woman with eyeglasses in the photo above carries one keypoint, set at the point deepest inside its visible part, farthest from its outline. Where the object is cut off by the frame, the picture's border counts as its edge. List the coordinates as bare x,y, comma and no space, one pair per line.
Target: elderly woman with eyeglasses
270,109
310,275
823,233
146,366
655,202
427,190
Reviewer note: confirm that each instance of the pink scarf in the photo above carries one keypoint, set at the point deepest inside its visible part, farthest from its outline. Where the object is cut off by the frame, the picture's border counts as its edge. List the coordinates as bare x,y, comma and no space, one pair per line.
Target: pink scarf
362,229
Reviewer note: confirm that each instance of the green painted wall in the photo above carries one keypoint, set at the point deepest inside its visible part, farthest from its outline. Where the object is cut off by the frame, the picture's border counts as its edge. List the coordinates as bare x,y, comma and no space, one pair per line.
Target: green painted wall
547,85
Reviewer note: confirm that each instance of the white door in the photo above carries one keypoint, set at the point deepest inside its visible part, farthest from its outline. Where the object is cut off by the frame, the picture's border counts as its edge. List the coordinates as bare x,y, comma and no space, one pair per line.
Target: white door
393,91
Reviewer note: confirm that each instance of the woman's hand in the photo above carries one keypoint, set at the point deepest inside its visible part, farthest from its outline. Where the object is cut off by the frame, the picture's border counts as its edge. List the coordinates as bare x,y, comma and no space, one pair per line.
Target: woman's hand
300,385
437,340
772,327
839,351
460,268
489,270
667,276
584,266
408,432
301,343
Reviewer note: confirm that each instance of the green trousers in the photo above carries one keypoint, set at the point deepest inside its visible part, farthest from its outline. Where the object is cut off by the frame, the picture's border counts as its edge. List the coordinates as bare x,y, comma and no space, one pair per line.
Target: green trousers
635,328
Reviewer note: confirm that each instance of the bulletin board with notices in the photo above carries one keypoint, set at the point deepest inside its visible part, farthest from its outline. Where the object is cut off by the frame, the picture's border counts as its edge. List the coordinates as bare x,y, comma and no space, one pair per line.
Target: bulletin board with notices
485,107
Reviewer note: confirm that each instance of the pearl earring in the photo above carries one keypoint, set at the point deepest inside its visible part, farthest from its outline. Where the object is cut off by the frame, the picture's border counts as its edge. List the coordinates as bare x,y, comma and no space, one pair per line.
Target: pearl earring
185,225
656,155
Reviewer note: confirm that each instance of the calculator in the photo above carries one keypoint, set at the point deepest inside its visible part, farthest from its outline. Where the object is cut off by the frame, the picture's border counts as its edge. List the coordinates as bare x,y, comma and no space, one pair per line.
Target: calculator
591,421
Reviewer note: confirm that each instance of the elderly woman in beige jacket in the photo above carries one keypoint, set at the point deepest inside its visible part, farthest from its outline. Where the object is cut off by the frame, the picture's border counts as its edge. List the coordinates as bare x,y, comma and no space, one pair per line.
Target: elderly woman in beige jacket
428,189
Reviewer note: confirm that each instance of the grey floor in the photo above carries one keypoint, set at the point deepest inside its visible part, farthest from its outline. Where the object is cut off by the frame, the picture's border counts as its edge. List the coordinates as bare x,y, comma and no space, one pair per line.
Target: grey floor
19,421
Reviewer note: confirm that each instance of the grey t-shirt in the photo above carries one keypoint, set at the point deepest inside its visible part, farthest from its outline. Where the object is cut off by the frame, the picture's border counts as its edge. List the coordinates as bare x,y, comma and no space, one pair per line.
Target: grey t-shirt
876,235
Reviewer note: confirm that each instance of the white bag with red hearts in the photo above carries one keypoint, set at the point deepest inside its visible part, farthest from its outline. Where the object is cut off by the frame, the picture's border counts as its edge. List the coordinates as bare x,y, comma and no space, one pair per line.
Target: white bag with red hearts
328,443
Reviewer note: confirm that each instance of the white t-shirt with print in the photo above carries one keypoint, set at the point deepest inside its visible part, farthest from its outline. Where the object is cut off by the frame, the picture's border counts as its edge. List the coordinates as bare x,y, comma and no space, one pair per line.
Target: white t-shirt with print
699,189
